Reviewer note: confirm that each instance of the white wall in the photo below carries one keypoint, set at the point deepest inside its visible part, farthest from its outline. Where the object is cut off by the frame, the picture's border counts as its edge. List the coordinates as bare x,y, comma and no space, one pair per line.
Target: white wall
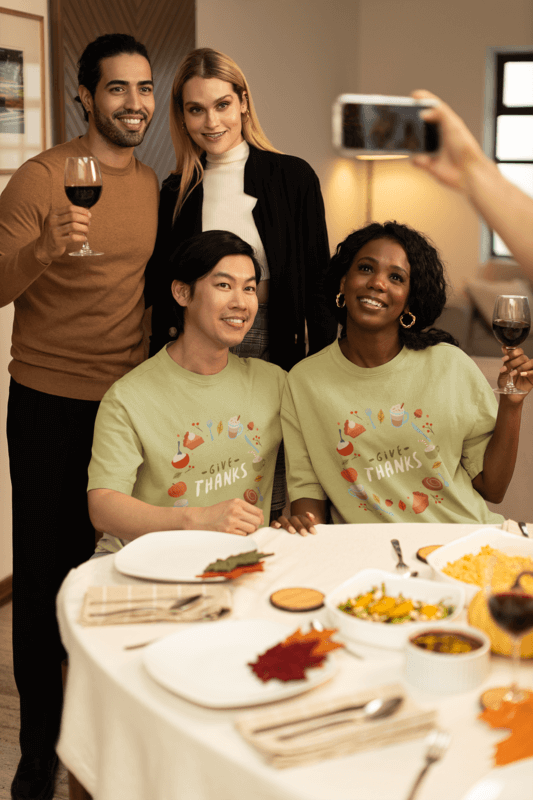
39,7
298,55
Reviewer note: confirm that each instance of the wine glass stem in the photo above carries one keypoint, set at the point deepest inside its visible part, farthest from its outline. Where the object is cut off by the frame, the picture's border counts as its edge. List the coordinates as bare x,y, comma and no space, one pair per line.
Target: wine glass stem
510,382
515,694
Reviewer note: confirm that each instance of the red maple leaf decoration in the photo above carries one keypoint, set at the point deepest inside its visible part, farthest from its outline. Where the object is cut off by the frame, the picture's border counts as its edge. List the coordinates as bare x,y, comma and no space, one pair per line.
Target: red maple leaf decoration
288,660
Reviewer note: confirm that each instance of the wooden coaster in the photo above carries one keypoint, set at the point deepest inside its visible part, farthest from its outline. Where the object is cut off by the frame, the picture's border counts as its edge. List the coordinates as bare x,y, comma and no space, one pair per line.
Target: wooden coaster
493,698
297,598
424,552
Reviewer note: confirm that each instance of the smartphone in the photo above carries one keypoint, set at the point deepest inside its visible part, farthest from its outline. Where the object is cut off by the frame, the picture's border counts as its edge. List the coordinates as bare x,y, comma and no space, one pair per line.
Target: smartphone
374,124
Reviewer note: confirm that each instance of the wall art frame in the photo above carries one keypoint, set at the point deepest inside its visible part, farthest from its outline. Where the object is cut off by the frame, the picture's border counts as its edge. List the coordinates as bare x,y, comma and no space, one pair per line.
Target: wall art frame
22,88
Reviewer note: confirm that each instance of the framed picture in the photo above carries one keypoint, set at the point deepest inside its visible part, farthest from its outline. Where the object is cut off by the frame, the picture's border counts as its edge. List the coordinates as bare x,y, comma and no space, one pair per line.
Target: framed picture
22,88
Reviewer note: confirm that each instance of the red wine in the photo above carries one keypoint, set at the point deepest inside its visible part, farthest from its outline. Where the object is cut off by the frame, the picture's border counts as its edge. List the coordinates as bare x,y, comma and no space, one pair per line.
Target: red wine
509,332
512,612
86,196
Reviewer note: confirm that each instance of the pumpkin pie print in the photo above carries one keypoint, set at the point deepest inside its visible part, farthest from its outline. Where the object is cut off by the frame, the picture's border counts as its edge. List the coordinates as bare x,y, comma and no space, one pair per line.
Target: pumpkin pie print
192,440
353,428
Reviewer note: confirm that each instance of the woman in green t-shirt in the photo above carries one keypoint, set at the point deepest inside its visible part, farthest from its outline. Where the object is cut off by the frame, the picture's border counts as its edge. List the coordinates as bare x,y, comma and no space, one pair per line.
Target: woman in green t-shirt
393,422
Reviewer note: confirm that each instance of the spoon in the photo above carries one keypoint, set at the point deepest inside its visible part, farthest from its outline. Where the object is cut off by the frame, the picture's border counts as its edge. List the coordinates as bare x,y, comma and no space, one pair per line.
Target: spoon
378,708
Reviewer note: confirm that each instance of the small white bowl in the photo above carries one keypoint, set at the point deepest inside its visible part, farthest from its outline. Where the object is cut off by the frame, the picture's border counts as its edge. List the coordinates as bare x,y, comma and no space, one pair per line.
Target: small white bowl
382,634
508,543
447,673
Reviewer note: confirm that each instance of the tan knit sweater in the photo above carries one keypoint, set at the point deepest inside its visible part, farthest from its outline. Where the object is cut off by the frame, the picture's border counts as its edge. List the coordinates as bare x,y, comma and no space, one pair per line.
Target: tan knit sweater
77,325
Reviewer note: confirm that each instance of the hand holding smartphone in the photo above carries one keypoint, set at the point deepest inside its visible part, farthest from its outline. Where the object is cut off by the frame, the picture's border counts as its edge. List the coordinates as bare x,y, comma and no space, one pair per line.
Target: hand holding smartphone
365,124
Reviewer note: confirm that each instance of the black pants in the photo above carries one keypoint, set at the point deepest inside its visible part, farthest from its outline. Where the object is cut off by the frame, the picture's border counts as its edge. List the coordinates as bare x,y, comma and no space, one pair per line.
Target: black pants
49,441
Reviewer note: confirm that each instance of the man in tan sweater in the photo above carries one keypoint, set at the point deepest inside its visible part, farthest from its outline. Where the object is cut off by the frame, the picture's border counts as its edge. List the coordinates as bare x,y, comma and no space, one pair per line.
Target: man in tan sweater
77,329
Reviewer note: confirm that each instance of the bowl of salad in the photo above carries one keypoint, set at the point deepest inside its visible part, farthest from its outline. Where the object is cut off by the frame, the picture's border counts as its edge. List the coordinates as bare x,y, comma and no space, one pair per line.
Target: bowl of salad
383,609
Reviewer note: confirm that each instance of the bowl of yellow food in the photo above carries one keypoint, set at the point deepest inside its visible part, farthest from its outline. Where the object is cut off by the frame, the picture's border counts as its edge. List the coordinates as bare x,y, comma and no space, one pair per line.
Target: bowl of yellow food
383,609
470,561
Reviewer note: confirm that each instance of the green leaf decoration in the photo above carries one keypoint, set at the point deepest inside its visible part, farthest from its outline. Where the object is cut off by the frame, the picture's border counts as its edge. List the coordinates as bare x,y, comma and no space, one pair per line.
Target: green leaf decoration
240,560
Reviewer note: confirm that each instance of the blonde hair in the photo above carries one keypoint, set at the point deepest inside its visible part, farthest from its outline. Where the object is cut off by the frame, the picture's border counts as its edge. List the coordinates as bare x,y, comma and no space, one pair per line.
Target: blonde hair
207,63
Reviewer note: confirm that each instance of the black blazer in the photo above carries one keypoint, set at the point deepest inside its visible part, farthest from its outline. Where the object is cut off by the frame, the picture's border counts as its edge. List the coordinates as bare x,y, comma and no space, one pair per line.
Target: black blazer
290,218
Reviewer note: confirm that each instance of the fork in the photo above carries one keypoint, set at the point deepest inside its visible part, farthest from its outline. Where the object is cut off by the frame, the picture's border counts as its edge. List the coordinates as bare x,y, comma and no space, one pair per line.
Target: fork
401,566
438,744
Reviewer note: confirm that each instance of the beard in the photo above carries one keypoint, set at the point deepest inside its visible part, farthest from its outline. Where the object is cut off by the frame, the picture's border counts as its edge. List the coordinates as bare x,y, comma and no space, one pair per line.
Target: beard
109,130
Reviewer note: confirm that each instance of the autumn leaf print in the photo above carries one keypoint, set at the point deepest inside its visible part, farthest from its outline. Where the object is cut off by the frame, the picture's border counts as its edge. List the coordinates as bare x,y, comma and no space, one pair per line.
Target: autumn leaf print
402,506
436,465
220,428
376,499
381,415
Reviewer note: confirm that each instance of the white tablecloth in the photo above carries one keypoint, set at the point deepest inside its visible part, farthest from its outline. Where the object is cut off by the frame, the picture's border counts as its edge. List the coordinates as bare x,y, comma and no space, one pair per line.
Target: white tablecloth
127,738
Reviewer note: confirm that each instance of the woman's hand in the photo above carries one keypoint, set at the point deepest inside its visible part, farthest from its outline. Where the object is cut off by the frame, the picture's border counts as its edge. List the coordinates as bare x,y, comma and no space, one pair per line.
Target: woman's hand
458,151
302,523
520,367
305,514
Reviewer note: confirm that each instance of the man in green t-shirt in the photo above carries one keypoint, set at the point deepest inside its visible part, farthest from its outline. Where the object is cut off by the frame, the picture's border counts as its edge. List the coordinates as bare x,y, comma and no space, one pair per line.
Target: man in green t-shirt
188,440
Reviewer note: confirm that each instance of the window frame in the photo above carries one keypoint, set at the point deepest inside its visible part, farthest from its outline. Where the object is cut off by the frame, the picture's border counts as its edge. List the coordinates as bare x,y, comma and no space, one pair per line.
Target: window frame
496,58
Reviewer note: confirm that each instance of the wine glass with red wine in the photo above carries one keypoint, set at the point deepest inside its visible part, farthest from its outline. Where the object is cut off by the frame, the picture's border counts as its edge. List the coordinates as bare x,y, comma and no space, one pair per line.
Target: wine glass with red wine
83,186
511,322
512,610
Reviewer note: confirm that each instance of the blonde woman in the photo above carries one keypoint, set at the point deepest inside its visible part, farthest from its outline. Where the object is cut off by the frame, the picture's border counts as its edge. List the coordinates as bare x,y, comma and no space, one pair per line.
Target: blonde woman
228,176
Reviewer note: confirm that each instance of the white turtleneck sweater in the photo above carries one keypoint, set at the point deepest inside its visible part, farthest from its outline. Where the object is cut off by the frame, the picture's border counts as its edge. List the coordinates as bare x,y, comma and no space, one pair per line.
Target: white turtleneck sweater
226,207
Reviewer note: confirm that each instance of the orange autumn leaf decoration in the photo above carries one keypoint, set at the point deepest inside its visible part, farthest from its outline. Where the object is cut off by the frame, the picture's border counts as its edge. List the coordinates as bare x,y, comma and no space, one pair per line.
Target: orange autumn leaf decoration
436,465
288,660
381,415
518,717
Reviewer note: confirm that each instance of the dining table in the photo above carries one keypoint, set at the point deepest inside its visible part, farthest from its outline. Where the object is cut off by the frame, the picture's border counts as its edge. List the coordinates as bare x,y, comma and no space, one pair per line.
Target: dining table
125,736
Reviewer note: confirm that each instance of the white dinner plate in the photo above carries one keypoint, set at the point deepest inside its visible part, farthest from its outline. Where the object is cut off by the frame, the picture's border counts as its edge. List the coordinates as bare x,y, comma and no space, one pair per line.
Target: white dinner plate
512,782
179,556
207,663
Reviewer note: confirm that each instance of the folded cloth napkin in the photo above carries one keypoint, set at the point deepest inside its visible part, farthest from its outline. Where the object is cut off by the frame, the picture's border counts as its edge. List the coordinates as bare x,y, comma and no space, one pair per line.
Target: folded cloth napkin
151,602
408,722
512,527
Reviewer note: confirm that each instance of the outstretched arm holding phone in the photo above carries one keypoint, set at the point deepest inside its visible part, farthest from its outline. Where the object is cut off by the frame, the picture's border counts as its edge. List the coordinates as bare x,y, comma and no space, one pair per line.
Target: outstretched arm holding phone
462,164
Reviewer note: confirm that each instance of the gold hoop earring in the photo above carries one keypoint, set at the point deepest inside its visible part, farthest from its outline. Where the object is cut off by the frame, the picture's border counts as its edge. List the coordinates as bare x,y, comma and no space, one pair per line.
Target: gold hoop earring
413,319
337,300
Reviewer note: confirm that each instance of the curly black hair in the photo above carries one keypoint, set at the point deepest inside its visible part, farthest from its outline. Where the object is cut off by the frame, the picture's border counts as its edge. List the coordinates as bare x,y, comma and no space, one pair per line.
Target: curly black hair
428,288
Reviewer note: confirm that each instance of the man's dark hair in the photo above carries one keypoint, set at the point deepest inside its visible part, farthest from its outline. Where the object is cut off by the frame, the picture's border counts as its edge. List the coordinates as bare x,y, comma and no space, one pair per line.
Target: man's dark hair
106,46
197,256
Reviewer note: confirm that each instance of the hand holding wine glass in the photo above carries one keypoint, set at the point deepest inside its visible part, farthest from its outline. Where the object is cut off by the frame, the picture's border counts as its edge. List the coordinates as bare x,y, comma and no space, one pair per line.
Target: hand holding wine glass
83,186
511,323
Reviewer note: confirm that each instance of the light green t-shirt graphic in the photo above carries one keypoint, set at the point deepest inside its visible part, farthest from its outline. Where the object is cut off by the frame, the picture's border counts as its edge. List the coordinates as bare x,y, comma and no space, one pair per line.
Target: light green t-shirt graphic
396,443
168,436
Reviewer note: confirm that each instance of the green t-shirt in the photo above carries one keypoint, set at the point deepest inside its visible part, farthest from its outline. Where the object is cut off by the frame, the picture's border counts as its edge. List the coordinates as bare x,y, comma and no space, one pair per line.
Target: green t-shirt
396,443
168,436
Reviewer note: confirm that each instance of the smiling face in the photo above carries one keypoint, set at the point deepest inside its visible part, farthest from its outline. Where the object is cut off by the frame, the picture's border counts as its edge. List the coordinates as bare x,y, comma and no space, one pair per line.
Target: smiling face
212,113
222,306
123,103
376,287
